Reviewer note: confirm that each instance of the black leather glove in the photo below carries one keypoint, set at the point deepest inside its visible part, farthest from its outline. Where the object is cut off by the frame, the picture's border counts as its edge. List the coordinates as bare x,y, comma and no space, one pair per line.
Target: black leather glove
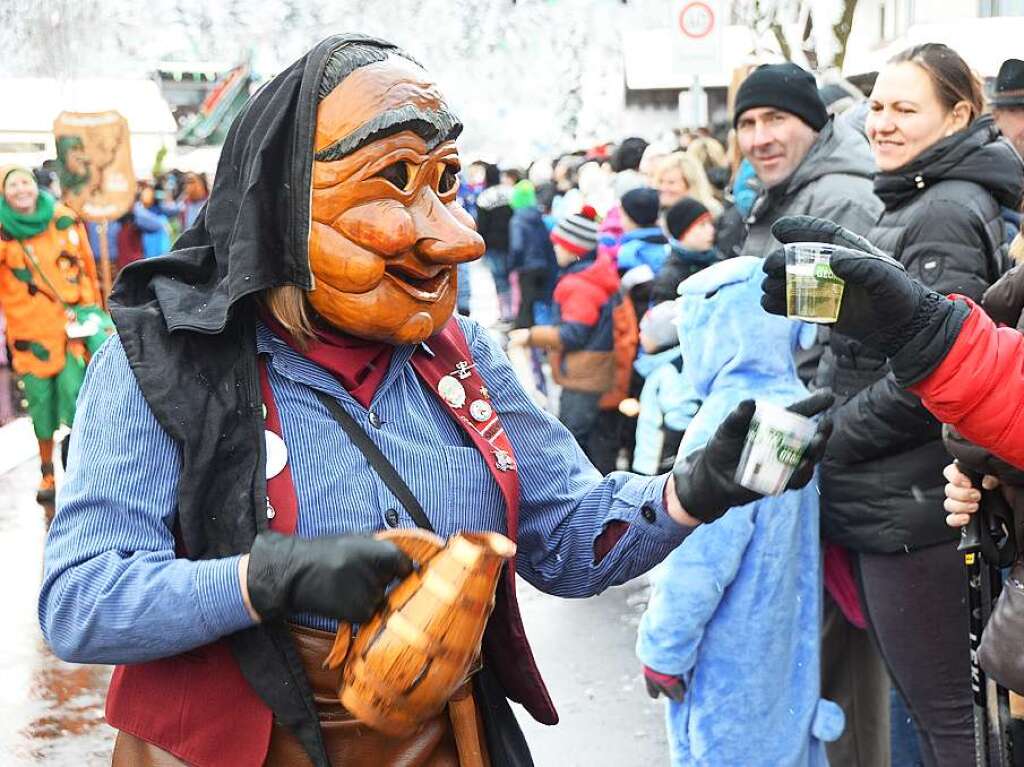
705,479
341,576
883,307
664,684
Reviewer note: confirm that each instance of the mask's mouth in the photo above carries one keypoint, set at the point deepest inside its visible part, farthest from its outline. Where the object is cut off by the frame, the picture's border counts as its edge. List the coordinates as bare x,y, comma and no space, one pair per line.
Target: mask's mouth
421,286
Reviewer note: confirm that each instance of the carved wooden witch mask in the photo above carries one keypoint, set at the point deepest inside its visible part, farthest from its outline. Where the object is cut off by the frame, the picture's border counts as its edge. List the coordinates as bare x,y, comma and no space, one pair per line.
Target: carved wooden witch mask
387,232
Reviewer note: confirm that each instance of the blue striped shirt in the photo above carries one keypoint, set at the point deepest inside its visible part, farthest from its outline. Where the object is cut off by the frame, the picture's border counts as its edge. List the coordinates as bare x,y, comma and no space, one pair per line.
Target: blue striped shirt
113,591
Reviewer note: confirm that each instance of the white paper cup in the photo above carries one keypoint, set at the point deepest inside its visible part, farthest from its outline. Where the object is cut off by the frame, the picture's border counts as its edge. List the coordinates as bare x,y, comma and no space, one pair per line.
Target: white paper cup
775,444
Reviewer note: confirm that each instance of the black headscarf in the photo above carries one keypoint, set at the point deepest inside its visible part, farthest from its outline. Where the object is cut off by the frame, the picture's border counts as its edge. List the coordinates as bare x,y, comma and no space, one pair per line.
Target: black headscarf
252,235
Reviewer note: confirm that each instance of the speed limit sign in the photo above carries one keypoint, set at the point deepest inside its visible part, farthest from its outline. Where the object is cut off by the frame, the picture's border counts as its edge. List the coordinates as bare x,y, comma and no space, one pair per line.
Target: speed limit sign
698,39
696,20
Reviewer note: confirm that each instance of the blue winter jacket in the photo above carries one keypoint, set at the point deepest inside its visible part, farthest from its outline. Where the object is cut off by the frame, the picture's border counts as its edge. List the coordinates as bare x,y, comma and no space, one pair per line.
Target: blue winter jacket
736,609
529,243
642,246
156,232
745,188
667,404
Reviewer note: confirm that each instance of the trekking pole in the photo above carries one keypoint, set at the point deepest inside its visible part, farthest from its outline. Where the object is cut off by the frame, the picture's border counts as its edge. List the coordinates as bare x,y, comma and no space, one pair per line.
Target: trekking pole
986,546
970,545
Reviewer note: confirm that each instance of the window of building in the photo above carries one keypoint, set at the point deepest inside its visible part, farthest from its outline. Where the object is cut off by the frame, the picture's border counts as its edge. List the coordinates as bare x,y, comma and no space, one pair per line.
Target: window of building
1001,8
21,147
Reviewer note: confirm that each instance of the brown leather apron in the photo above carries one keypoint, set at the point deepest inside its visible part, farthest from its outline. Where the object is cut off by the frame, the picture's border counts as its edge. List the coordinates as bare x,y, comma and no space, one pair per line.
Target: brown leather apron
454,738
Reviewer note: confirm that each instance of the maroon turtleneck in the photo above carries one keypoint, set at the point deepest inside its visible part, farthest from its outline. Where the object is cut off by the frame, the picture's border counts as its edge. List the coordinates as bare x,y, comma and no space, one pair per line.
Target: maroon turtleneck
358,364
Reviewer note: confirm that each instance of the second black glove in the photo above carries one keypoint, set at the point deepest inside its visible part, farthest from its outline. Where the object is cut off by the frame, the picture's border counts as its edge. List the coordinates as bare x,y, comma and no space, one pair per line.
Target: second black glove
342,576
704,479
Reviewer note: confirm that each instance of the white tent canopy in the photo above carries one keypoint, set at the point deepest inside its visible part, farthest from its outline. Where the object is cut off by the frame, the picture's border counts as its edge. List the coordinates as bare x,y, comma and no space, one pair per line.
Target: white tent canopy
26,128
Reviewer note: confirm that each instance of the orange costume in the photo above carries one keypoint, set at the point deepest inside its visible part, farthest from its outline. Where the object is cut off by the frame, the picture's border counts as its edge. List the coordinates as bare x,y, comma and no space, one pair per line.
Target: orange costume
50,296
38,278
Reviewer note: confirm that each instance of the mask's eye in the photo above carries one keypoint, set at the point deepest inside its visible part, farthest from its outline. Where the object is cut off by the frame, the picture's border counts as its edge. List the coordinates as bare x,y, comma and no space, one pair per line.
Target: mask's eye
397,174
448,180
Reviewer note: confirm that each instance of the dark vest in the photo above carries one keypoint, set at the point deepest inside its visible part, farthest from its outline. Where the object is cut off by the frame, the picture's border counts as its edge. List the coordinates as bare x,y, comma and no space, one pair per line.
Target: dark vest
179,703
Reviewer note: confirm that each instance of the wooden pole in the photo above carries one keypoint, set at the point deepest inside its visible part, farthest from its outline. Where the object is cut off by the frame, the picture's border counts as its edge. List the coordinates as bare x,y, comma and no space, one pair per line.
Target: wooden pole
104,261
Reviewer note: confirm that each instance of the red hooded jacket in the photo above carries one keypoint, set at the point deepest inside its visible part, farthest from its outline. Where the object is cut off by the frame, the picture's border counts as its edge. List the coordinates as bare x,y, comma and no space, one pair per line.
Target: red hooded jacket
979,386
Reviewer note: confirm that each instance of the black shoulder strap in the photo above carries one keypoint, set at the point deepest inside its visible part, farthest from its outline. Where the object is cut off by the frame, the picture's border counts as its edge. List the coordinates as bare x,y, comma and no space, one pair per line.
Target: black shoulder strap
378,461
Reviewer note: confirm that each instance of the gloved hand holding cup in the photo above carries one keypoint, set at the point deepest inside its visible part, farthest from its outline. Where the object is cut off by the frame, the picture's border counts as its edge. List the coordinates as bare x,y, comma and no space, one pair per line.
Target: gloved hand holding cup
775,445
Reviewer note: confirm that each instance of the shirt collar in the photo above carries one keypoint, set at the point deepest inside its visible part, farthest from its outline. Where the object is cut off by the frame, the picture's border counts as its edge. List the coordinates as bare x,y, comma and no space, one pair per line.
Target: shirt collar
295,367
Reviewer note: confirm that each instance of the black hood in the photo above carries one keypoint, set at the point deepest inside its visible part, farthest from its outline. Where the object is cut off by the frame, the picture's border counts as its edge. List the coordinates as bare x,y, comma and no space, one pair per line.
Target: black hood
252,235
978,153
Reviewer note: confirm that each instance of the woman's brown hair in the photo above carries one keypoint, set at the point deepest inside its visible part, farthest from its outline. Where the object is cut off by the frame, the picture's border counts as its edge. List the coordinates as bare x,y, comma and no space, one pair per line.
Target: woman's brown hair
287,304
952,79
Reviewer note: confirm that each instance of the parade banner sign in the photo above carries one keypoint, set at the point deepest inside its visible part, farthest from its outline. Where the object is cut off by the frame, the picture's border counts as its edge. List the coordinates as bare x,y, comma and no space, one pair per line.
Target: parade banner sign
96,175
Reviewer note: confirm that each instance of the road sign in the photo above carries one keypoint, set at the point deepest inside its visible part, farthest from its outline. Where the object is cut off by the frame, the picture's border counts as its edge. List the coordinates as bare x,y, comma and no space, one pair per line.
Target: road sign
696,20
697,40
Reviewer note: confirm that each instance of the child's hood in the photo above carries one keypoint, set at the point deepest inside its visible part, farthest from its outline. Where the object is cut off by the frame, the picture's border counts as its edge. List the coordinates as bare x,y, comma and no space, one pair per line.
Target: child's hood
728,340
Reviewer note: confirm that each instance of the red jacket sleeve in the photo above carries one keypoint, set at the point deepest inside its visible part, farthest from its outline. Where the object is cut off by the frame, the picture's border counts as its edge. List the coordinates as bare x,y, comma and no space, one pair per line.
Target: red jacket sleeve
979,386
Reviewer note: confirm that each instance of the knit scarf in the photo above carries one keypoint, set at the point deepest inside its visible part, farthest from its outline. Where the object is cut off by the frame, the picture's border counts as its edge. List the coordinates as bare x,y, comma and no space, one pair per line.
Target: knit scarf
22,226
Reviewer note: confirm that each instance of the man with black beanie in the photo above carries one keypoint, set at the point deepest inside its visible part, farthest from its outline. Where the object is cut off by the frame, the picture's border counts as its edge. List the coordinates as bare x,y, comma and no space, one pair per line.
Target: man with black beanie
807,163
810,164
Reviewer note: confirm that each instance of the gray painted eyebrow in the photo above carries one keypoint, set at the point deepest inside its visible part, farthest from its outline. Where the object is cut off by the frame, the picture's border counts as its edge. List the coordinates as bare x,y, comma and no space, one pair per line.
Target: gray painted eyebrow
434,126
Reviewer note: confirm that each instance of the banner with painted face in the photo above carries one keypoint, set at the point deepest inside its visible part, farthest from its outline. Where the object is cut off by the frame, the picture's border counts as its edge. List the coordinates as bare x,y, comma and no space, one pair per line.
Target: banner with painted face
96,175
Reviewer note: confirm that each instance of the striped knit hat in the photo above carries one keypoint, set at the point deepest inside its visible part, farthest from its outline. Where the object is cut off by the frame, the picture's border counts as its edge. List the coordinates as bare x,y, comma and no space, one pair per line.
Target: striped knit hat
577,233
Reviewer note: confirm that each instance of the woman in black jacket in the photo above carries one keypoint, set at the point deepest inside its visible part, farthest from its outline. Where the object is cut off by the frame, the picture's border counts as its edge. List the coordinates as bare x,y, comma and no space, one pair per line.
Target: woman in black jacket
944,172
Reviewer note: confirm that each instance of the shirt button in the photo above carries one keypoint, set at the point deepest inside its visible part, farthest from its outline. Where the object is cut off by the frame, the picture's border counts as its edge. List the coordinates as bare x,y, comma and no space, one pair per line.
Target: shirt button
391,517
648,514
374,420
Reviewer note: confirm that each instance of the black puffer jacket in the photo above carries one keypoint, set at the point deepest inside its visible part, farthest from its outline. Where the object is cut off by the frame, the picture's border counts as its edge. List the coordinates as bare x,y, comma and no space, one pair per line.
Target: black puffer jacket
881,481
493,215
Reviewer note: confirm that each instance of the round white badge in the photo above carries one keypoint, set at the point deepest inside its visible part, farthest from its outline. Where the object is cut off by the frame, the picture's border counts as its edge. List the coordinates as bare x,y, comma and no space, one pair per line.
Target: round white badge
451,391
481,410
277,454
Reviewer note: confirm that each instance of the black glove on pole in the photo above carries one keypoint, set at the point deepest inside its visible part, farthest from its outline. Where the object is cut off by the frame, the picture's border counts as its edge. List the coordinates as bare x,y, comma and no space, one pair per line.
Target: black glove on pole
883,307
705,484
341,576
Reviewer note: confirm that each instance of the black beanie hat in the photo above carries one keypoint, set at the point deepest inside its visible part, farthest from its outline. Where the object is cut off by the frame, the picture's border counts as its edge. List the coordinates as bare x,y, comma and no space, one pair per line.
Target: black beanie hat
628,154
785,87
684,214
641,205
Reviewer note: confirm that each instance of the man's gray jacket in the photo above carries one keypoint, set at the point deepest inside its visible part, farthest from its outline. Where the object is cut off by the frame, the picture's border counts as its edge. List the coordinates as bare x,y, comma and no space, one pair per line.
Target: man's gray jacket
834,181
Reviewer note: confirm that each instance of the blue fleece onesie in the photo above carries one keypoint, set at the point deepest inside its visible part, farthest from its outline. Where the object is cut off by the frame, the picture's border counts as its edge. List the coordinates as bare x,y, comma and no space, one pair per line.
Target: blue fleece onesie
736,609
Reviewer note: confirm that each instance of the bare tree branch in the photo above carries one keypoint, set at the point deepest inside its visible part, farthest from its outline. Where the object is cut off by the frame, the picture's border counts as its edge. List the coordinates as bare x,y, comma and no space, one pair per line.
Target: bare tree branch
841,29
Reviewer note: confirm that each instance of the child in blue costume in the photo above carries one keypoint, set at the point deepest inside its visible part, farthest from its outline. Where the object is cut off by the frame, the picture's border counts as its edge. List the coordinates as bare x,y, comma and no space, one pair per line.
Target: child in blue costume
667,402
735,616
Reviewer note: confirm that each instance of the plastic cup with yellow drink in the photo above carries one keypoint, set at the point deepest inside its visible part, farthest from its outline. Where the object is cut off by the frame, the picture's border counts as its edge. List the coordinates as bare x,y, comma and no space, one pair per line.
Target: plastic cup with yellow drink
813,292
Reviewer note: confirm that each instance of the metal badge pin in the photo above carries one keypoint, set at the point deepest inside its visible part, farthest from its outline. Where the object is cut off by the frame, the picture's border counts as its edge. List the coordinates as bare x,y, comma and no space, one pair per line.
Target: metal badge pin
484,393
451,391
481,410
463,369
503,460
270,510
277,454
